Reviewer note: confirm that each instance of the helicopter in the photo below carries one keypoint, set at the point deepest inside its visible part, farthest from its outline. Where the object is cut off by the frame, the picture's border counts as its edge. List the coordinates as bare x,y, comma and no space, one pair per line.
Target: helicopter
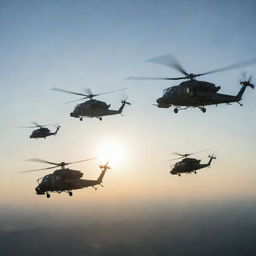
192,92
65,179
189,165
42,131
93,108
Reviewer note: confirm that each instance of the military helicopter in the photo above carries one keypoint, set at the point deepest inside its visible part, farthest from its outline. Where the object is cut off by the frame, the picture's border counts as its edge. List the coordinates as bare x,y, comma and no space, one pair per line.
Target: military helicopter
194,93
42,131
189,165
65,179
93,108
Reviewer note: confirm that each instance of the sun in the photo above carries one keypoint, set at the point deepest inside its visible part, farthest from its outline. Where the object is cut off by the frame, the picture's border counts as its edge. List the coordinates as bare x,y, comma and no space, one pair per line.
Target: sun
112,151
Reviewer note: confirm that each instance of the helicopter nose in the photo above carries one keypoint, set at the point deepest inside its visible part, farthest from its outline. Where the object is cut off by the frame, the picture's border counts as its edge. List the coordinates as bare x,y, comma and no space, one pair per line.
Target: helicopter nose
172,172
39,191
159,100
74,114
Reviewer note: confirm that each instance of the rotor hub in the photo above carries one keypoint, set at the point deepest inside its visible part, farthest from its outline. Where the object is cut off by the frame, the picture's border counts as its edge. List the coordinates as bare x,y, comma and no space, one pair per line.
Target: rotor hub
191,76
62,164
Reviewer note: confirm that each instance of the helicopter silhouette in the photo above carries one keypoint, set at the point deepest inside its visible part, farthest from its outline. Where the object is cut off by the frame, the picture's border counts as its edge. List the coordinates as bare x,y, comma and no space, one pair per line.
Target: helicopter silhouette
194,93
187,164
42,131
65,179
93,108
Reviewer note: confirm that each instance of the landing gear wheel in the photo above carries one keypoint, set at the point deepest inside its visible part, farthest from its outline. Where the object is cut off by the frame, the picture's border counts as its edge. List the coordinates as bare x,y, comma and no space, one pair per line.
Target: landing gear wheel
203,110
176,110
100,118
81,119
48,195
195,172
179,175
70,193
95,188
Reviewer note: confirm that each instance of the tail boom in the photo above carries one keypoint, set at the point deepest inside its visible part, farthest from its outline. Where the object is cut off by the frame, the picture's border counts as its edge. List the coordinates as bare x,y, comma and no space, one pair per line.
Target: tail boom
124,102
57,129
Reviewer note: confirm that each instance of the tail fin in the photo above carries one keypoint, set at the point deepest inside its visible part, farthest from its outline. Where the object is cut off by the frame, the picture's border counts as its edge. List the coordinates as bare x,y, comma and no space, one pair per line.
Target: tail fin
211,158
244,84
57,130
124,102
104,169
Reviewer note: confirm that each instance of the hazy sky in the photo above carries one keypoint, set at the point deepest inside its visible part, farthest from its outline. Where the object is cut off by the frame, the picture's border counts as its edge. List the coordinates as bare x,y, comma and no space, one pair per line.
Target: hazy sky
98,44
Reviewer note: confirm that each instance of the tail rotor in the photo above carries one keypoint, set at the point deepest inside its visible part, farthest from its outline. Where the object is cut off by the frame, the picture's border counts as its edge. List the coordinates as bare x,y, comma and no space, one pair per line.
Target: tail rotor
105,166
124,101
212,156
246,81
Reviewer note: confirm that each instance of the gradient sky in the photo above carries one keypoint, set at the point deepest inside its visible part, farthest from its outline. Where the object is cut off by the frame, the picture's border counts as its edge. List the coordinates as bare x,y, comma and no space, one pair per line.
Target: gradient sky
98,44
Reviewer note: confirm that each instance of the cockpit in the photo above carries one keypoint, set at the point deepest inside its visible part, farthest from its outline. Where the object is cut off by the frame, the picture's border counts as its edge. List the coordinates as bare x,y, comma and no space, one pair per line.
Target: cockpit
45,180
169,91
179,164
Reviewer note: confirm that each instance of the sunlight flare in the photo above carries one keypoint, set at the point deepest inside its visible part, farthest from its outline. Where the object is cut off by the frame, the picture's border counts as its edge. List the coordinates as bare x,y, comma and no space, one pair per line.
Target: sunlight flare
112,151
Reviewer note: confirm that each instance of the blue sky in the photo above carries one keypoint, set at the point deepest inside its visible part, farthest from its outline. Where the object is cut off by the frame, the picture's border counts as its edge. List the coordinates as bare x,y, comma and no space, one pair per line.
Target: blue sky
79,44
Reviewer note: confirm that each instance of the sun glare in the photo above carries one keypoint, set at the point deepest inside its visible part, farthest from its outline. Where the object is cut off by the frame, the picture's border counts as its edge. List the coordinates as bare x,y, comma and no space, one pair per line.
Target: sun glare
112,151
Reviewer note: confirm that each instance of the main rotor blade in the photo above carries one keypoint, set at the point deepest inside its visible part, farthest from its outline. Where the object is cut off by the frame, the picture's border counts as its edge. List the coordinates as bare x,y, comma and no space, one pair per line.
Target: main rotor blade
199,151
36,124
42,161
123,89
70,92
75,100
230,67
178,154
28,127
41,125
35,170
154,78
178,158
188,154
169,61
84,160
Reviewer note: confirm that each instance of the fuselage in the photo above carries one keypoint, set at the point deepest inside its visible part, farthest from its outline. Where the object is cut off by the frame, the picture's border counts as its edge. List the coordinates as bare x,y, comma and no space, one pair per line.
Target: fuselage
193,93
91,108
94,108
65,180
40,133
187,165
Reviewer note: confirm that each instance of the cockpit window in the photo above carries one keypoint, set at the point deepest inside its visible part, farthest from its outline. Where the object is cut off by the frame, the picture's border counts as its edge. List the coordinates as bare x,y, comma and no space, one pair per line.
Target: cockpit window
45,179
168,90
